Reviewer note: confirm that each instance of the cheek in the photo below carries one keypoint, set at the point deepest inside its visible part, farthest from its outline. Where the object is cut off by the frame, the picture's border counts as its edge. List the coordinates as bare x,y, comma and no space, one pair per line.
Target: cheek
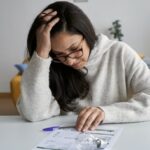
86,55
84,60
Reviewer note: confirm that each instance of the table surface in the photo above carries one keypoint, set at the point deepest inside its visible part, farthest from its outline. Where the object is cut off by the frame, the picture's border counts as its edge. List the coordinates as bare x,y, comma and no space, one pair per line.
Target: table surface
18,134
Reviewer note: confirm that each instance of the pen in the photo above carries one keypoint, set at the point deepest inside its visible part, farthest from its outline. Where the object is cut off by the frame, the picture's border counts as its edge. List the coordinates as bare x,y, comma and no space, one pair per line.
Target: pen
52,128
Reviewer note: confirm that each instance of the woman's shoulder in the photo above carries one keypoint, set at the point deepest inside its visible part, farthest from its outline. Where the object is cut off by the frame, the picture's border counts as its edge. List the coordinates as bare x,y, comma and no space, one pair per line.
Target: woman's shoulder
106,45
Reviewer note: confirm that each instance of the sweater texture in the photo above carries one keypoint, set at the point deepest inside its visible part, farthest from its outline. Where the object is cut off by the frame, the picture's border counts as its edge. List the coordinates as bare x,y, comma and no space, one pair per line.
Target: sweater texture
119,84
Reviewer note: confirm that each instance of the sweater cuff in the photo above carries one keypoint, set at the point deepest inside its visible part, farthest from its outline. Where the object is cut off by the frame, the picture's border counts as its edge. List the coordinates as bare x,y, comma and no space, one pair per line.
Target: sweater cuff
110,114
36,56
39,64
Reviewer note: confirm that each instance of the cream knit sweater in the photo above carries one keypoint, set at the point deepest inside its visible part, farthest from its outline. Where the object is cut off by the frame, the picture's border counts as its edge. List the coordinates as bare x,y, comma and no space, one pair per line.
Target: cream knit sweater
119,84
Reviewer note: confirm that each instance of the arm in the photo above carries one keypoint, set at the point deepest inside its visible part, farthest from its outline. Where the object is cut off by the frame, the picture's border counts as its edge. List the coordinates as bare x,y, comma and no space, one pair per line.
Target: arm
137,108
36,101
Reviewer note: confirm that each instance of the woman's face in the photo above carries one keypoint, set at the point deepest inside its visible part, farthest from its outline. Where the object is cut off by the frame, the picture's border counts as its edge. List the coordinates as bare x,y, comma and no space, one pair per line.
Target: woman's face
70,49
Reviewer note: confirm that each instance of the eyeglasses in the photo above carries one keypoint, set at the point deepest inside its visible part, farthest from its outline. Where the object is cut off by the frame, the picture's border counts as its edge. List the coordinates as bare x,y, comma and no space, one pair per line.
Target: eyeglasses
77,53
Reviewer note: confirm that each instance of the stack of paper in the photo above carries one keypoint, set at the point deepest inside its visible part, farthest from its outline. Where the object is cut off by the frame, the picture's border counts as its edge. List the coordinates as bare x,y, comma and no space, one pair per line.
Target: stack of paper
71,139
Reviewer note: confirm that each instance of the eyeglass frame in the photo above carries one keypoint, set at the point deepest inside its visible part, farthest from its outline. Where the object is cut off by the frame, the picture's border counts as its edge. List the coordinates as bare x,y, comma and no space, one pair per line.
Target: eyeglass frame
56,59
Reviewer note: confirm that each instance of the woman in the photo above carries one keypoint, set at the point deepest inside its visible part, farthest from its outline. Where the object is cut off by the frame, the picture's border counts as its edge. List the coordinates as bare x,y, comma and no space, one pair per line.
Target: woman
73,70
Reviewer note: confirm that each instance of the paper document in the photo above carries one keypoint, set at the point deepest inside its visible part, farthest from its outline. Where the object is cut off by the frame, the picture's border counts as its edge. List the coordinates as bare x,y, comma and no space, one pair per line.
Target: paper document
71,139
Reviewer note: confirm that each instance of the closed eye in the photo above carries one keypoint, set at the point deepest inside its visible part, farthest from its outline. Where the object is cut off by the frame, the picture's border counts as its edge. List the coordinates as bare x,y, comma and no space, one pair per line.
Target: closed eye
59,54
56,53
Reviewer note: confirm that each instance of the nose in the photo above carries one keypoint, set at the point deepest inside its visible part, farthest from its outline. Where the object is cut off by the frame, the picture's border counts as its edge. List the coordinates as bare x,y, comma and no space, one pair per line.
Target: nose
70,61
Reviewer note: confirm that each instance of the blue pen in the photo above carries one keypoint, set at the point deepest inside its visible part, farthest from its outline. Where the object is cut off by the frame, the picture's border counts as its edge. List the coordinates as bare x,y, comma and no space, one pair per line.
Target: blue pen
52,128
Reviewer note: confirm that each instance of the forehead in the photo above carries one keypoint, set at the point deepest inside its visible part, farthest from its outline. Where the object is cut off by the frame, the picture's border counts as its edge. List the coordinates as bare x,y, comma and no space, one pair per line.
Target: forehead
63,40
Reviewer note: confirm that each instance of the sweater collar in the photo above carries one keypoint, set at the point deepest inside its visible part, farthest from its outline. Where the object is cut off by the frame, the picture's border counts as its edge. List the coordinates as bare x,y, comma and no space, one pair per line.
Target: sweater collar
102,45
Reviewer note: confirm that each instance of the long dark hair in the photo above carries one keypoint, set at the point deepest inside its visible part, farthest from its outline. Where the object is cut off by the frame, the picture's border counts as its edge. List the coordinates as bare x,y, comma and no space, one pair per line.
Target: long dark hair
67,84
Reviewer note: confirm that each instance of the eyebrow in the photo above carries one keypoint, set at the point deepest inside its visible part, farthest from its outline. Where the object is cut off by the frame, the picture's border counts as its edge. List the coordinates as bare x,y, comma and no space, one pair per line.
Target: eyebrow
71,47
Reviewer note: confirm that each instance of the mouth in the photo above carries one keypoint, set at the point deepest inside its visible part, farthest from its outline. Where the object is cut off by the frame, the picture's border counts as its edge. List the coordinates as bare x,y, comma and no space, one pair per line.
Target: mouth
76,65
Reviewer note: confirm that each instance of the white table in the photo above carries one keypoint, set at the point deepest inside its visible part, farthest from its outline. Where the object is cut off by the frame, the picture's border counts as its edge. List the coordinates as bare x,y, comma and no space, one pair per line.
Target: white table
17,134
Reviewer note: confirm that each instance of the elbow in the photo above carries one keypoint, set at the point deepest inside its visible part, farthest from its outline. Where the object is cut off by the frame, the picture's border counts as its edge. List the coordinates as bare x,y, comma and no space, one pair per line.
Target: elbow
31,118
33,114
37,116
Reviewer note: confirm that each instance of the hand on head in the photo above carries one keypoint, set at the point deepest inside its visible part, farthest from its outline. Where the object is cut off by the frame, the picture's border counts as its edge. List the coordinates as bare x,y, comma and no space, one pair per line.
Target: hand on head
43,32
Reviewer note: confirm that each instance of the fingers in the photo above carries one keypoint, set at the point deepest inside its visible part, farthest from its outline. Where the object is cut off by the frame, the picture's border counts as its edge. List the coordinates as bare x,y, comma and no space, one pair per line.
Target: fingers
45,12
96,122
84,114
50,25
83,111
89,118
49,16
89,121
48,21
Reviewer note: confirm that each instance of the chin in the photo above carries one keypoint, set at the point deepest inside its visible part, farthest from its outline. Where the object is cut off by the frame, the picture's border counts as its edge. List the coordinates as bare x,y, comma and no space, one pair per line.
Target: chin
79,66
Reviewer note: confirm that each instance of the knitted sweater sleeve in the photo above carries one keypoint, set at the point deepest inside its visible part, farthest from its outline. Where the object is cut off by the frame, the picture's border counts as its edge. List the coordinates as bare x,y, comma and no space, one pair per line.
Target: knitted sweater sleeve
36,101
136,108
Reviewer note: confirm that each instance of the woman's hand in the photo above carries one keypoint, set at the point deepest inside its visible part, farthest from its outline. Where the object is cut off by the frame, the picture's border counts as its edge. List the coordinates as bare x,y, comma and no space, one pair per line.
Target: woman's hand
43,33
89,118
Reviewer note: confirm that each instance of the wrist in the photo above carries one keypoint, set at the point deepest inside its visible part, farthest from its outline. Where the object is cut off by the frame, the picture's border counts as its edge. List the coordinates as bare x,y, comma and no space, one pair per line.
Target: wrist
42,54
103,114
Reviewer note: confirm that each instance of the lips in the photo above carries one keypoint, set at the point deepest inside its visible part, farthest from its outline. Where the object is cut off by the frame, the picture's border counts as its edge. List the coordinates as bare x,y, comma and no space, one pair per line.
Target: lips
76,65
